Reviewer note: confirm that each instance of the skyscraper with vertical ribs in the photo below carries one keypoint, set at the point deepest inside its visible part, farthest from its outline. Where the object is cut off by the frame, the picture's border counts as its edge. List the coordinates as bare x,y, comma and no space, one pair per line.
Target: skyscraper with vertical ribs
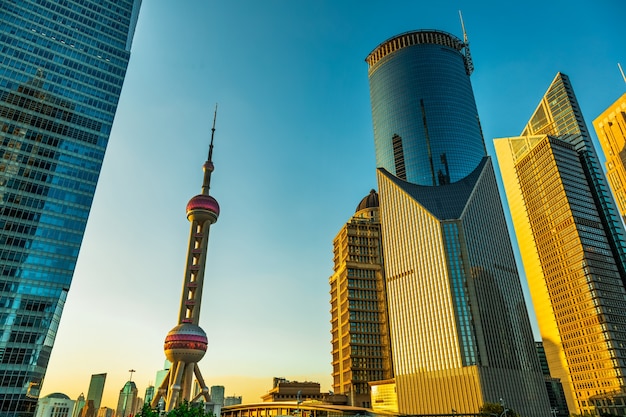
460,333
62,66
610,127
186,343
572,245
359,327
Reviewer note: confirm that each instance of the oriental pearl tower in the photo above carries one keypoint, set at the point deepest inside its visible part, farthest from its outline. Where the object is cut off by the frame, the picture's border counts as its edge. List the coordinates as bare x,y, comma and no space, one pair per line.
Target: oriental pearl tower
186,344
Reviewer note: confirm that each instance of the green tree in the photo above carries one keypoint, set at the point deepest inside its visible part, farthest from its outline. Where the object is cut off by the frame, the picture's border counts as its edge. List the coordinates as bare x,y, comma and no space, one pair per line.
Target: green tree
185,409
491,409
147,411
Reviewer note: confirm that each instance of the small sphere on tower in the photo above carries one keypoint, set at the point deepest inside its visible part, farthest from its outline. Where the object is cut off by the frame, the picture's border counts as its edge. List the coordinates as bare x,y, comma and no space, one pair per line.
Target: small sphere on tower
203,207
208,166
185,343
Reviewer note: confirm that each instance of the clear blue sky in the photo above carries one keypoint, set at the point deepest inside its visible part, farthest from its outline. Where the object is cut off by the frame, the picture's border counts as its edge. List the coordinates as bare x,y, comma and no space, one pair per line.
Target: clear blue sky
293,157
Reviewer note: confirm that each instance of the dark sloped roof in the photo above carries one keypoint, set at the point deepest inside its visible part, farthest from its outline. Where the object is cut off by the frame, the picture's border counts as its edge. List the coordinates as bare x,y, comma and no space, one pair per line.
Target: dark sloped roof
445,201
369,201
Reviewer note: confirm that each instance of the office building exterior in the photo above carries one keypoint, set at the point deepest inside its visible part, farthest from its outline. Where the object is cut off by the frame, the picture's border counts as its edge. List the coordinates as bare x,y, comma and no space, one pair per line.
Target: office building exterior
62,65
610,127
96,388
360,336
128,403
55,405
571,243
106,412
79,404
556,395
232,400
459,328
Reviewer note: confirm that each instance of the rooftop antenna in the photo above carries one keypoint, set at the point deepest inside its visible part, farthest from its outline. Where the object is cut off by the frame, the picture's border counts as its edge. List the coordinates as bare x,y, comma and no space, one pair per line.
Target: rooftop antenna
463,29
469,64
212,135
208,165
622,71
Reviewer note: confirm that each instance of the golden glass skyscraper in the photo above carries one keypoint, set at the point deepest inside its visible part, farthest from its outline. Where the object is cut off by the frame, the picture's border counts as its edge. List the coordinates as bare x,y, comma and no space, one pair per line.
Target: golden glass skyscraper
360,334
571,242
610,127
459,328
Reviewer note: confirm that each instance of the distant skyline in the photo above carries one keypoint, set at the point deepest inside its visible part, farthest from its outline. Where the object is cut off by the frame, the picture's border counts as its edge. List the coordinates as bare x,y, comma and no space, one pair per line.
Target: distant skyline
294,155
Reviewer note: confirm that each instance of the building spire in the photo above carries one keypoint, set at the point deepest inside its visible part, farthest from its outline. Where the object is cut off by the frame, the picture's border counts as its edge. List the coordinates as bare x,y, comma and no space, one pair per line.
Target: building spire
469,64
208,165
210,158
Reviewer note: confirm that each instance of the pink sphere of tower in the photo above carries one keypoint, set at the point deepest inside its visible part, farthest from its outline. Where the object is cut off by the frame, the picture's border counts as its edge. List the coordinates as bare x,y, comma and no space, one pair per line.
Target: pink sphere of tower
185,343
203,206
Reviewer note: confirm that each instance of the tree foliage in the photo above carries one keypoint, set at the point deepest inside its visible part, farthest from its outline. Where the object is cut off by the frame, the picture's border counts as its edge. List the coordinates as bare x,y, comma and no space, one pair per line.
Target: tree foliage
185,409
491,409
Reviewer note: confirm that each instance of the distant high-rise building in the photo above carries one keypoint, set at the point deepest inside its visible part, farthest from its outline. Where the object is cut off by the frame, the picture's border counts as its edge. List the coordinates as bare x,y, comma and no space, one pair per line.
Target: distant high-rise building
106,412
232,400
359,328
217,394
79,404
571,243
62,65
558,403
55,405
610,127
96,388
149,394
459,328
127,404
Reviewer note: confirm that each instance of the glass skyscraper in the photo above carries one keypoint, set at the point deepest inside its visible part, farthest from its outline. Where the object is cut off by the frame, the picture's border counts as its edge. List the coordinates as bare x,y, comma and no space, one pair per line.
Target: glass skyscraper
610,127
459,328
571,241
426,127
62,66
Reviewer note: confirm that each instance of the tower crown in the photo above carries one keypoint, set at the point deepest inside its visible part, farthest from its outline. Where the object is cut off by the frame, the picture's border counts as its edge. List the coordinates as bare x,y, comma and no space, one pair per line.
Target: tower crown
203,204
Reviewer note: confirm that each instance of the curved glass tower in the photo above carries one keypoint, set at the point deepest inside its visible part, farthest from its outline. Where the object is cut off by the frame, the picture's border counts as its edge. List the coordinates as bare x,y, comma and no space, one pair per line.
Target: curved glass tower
426,127
459,328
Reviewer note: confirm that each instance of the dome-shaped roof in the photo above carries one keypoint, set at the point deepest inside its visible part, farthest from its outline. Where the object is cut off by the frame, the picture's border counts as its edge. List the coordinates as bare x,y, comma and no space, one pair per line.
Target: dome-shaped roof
204,202
369,201
59,395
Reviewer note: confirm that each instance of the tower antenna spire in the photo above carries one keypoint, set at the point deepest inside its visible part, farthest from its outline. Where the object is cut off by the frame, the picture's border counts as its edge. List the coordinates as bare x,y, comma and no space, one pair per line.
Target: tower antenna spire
208,165
622,71
465,40
469,64
210,158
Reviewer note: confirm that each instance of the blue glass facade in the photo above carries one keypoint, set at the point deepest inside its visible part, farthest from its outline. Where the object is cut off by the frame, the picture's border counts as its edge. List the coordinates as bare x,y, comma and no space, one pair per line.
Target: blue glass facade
62,65
426,126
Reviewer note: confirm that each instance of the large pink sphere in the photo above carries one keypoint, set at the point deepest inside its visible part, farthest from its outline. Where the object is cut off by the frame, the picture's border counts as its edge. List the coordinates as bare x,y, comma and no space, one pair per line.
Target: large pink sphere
185,343
203,207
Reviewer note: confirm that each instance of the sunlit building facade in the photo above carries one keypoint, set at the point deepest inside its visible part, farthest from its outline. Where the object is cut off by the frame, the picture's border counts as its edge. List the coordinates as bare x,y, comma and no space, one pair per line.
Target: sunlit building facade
128,403
571,242
556,395
55,405
459,328
96,388
62,65
360,336
610,127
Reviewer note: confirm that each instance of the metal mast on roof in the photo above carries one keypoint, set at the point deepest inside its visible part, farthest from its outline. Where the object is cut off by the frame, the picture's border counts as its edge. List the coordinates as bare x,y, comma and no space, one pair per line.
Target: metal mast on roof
469,64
